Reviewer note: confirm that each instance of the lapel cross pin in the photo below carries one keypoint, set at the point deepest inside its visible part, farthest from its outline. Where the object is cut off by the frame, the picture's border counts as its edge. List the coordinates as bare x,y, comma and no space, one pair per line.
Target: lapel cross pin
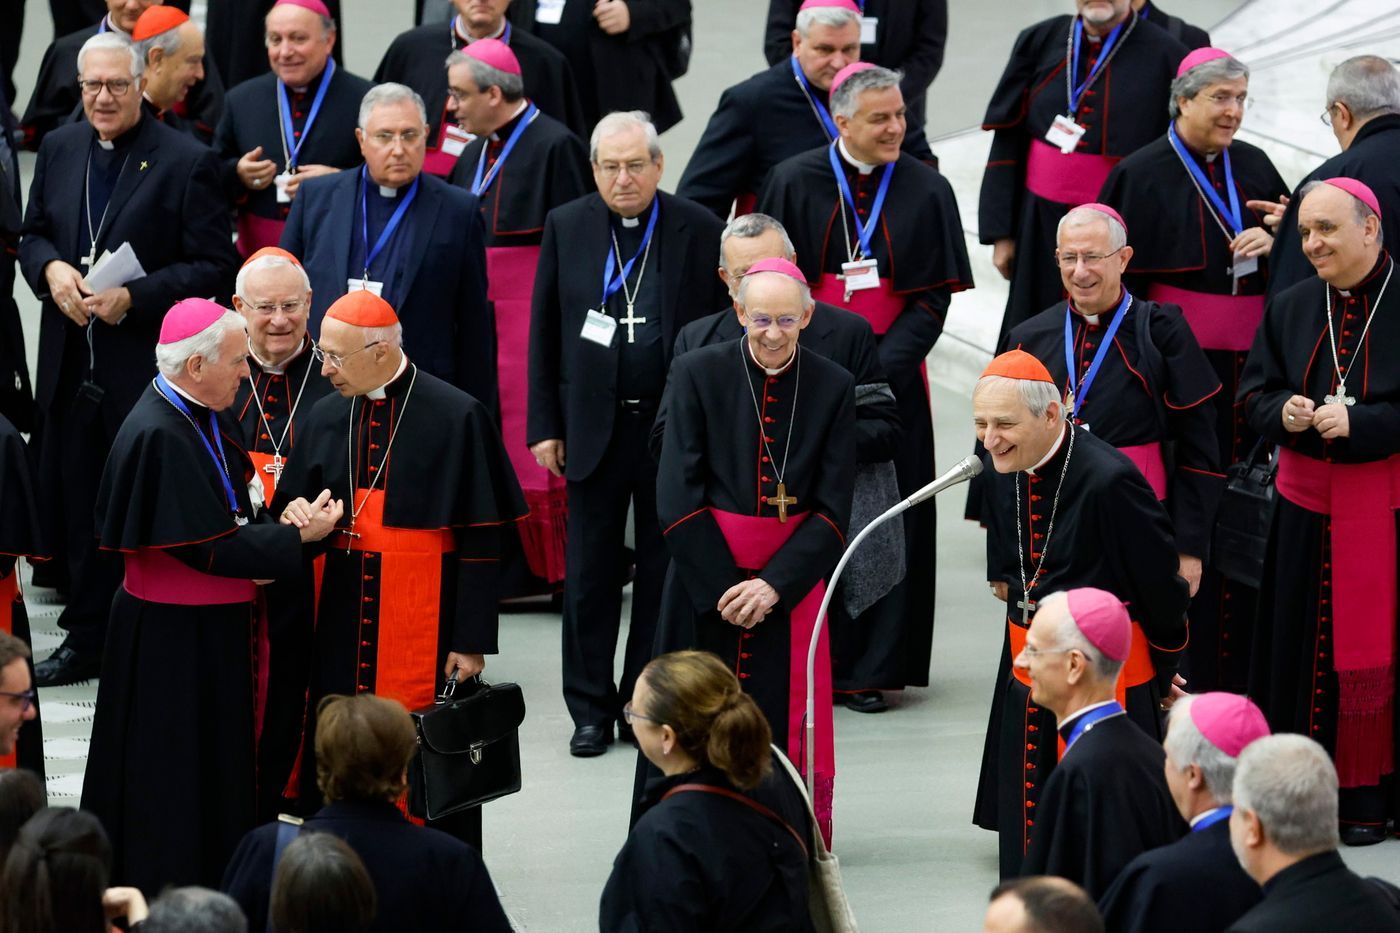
144,164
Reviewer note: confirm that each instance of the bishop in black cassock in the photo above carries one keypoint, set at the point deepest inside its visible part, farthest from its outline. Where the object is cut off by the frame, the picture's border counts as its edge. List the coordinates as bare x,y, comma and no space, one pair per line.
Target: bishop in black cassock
1107,801
20,536
754,493
1065,509
1111,82
877,232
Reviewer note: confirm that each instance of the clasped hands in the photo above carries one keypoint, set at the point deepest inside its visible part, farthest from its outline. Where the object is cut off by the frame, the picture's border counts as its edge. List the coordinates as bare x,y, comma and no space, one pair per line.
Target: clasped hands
1331,421
314,520
747,604
78,302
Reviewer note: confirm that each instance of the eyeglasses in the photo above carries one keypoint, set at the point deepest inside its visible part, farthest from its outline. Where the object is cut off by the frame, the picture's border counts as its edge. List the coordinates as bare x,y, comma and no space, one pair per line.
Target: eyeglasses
614,169
117,87
1326,115
458,94
764,321
286,307
409,138
26,699
1070,260
630,716
1225,100
1031,652
335,359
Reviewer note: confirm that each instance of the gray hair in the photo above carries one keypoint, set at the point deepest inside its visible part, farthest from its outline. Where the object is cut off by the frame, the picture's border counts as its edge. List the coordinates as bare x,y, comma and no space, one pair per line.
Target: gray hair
804,292
833,16
1368,84
1291,785
846,99
392,335
512,86
1362,210
390,93
1038,396
1084,216
194,910
171,357
266,262
1185,746
168,42
748,226
113,42
620,121
1105,668
1203,76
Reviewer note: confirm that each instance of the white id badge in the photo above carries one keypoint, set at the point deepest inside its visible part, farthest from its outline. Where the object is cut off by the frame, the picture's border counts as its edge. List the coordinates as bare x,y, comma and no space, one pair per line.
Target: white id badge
1065,133
370,285
861,274
549,12
281,184
455,139
869,25
1244,265
599,328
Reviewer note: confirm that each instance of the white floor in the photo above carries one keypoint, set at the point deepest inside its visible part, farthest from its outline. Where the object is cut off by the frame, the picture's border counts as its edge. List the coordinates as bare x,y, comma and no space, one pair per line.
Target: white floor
911,858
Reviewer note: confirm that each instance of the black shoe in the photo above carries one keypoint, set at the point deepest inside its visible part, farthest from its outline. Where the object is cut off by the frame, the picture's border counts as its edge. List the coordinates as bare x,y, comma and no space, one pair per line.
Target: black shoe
590,741
1354,834
66,666
866,701
625,734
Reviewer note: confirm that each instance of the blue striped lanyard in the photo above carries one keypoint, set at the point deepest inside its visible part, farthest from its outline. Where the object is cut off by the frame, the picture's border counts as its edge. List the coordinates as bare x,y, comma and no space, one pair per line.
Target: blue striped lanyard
1080,391
1230,216
865,232
168,393
288,128
1210,819
1086,722
817,106
611,284
480,183
1076,94
393,225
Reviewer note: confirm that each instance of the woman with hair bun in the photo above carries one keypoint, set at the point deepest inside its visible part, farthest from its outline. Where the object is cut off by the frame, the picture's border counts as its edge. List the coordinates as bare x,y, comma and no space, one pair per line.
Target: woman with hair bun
721,843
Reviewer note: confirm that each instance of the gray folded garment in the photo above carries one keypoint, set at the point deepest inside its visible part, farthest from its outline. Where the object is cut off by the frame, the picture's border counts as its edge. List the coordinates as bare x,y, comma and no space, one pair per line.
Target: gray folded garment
878,565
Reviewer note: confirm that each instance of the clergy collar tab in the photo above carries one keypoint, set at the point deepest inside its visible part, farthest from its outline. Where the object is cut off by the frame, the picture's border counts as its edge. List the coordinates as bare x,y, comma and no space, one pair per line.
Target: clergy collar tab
865,168
383,391
1054,449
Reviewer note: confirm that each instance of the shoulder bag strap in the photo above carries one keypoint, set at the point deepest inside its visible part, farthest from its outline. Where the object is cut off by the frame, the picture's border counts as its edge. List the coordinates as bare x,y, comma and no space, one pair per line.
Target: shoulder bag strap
817,841
746,801
288,828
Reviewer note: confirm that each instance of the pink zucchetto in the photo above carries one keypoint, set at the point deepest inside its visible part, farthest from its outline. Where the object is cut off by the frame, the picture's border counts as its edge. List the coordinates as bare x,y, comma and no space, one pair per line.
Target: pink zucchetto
838,4
1227,720
189,317
315,6
1359,190
1102,619
1106,211
852,69
495,53
1200,57
781,266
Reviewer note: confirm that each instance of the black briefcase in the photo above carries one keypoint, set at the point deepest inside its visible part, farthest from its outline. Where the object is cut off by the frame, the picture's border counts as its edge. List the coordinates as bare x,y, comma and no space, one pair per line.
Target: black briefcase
1245,516
468,748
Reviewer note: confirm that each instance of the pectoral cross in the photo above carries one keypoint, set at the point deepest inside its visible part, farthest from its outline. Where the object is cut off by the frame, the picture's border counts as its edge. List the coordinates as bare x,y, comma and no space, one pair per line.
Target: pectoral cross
349,533
1341,397
90,259
276,467
782,500
631,321
1027,606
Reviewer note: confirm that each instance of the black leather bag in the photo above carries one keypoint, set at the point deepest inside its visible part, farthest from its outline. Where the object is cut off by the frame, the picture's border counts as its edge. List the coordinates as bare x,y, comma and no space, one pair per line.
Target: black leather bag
468,749
1245,516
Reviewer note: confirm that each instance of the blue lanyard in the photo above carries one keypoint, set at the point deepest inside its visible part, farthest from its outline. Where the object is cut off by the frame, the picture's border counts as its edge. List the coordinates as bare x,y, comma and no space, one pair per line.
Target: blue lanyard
397,218
288,129
1081,389
1082,724
1077,94
480,184
822,113
102,26
1231,216
168,393
865,232
610,284
1211,819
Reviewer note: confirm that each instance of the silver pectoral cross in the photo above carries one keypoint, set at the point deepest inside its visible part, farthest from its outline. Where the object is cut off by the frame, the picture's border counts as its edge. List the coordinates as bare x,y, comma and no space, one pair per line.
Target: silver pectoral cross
1027,606
1340,397
90,259
276,467
631,320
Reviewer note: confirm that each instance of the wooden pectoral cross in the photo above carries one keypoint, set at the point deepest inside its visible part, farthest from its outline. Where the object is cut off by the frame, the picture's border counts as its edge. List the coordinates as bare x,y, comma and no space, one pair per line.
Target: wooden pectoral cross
631,320
1027,606
782,500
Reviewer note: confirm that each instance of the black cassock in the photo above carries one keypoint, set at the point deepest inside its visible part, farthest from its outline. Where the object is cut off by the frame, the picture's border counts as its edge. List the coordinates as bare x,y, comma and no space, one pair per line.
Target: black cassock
234,33
1158,200
19,537
1109,532
1294,677
1196,884
1122,112
1106,804
919,246
1370,158
171,772
418,58
1193,37
1320,895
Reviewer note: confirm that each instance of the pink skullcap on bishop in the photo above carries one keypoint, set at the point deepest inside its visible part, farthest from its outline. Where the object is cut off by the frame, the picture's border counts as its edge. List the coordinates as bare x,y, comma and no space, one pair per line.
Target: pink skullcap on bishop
1357,189
778,265
495,53
839,4
315,6
844,73
1018,364
363,308
156,20
189,317
1200,57
1106,211
1102,618
1228,721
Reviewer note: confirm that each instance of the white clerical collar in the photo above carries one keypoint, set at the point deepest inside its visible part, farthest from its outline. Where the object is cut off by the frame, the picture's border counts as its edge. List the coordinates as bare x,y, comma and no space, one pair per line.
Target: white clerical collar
524,105
113,27
1202,815
277,369
865,168
107,144
770,372
386,192
1054,449
379,393
630,222
1075,715
468,38
183,394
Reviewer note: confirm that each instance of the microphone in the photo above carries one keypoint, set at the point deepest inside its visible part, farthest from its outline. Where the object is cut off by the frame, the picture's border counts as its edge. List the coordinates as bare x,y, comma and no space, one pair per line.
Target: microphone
962,471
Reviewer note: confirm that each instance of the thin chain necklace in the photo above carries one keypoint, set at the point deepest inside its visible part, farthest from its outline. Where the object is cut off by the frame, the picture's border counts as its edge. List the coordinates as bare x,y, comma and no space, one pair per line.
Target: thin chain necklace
631,296
1070,77
223,461
1340,397
355,510
781,500
278,462
95,233
1027,604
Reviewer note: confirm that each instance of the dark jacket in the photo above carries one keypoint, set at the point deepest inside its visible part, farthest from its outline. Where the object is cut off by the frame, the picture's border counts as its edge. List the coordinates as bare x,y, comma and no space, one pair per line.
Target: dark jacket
1320,895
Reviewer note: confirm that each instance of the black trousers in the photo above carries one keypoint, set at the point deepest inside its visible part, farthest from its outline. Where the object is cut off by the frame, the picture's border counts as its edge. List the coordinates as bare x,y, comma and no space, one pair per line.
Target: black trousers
593,587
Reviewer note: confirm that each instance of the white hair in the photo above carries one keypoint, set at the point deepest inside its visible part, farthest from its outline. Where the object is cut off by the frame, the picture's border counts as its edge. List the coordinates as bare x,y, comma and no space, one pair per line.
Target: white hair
1186,746
1084,216
833,16
1290,784
1038,396
804,293
390,93
1201,77
168,42
845,101
1368,84
172,357
619,121
266,262
512,86
1069,636
748,226
1361,209
392,335
112,42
